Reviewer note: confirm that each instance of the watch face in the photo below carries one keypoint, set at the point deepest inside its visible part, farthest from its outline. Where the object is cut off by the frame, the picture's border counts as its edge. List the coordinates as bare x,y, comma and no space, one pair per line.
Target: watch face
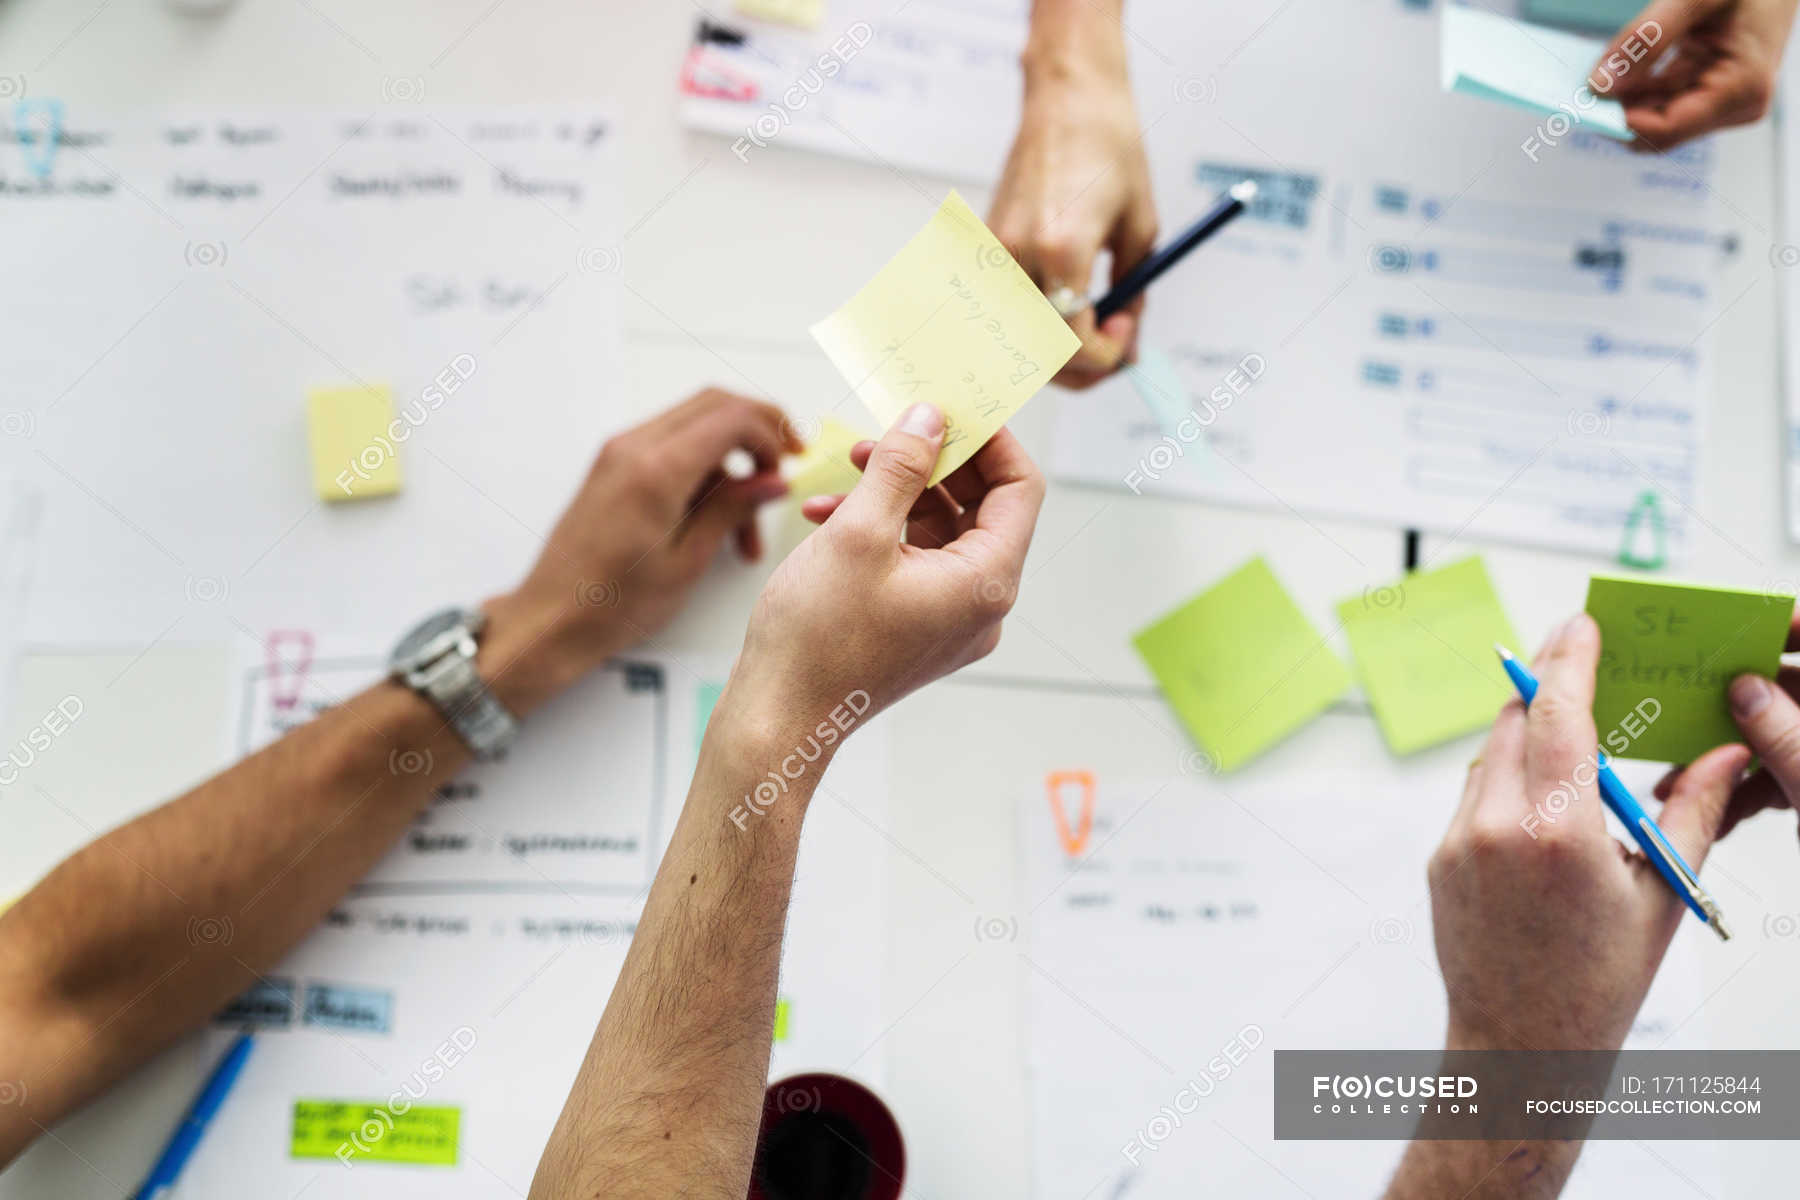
431,637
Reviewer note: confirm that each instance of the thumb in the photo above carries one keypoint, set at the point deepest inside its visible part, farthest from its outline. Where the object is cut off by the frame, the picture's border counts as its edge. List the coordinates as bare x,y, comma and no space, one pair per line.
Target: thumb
1695,811
899,468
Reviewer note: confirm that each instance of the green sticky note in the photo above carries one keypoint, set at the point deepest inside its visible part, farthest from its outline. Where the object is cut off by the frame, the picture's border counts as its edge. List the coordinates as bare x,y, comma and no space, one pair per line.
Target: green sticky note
1242,665
1424,648
1668,654
781,1020
1542,70
1599,15
707,699
373,1131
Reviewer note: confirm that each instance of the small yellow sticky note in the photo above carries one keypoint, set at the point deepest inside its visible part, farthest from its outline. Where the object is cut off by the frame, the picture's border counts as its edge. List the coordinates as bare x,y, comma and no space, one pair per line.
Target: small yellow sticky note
823,468
805,13
954,321
350,430
1242,665
372,1131
781,1020
1424,649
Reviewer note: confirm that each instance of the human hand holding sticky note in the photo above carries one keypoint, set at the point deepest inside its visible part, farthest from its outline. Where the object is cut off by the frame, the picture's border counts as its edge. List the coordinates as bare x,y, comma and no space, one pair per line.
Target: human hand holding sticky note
953,321
1544,70
1668,654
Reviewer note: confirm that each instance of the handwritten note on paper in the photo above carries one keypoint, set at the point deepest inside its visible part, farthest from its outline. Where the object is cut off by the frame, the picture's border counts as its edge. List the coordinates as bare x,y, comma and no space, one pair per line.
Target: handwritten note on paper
1492,57
353,450
823,468
1424,648
1242,665
954,321
374,1131
1668,654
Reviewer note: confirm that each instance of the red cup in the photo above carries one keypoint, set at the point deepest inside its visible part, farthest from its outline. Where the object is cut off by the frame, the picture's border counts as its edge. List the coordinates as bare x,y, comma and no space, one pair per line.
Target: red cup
825,1137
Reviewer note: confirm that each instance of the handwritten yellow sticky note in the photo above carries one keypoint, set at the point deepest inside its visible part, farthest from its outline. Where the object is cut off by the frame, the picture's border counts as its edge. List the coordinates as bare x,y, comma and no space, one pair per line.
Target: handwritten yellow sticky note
373,1131
1242,665
1424,648
350,431
954,321
805,13
823,468
1668,654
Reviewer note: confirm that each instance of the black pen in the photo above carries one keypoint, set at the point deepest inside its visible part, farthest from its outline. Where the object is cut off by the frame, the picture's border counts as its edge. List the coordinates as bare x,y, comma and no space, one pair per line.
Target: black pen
1141,276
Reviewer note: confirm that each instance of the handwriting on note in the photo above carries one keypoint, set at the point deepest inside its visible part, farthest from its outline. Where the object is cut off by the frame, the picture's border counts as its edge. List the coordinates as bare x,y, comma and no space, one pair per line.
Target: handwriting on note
1681,646
951,320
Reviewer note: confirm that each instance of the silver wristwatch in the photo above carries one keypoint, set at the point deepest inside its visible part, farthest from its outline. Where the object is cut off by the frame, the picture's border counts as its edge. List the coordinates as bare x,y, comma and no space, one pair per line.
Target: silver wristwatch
437,660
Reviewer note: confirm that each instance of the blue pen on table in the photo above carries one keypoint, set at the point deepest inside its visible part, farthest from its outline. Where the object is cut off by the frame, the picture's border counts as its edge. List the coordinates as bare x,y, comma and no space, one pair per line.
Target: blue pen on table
1649,835
187,1134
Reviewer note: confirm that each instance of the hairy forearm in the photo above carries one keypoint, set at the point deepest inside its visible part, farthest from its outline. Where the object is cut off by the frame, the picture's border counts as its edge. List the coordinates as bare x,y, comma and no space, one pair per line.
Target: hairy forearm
669,1097
1484,1170
144,933
1074,38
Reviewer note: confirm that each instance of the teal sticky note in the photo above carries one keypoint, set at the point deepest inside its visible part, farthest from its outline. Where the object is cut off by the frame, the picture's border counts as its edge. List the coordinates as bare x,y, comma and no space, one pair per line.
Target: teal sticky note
706,699
1601,16
1154,379
1528,66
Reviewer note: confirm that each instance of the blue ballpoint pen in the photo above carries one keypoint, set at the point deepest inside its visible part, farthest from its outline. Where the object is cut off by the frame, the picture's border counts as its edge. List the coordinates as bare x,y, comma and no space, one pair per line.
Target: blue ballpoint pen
187,1134
1663,856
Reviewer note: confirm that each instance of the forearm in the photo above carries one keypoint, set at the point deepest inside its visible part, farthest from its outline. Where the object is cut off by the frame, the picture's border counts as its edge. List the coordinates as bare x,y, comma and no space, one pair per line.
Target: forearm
669,1097
1074,38
146,932
1483,1170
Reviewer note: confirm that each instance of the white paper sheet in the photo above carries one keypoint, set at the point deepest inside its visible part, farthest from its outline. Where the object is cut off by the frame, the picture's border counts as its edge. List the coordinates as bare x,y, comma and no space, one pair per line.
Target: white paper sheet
1440,312
502,920
1785,258
178,281
1288,902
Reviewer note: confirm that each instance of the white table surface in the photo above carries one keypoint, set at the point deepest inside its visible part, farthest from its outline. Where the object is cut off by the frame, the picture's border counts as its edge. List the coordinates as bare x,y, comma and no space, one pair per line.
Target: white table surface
726,263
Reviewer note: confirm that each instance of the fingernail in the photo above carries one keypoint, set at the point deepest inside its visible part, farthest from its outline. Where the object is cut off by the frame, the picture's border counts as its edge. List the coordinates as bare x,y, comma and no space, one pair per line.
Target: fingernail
1749,695
922,420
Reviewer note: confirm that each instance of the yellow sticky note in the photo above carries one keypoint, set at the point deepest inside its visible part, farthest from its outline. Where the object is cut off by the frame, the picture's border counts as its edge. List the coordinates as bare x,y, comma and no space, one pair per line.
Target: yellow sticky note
1242,665
823,468
350,430
954,321
373,1131
805,13
1424,649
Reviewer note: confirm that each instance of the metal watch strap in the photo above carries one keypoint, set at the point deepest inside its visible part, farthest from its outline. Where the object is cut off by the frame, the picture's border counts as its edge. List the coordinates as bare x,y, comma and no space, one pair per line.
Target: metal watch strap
457,689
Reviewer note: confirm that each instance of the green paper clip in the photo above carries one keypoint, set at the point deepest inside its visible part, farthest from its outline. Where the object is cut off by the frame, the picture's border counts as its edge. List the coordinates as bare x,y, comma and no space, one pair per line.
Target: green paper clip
1645,510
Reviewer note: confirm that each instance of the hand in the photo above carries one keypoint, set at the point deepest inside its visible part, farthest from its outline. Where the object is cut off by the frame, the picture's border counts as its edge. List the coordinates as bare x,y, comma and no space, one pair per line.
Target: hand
1770,720
855,609
1548,929
1713,65
652,513
1076,180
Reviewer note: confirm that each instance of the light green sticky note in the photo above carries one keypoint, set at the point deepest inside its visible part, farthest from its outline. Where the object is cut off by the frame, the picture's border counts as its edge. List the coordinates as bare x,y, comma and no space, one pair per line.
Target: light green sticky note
1424,648
1668,654
707,698
372,1131
1544,70
782,1012
1242,665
